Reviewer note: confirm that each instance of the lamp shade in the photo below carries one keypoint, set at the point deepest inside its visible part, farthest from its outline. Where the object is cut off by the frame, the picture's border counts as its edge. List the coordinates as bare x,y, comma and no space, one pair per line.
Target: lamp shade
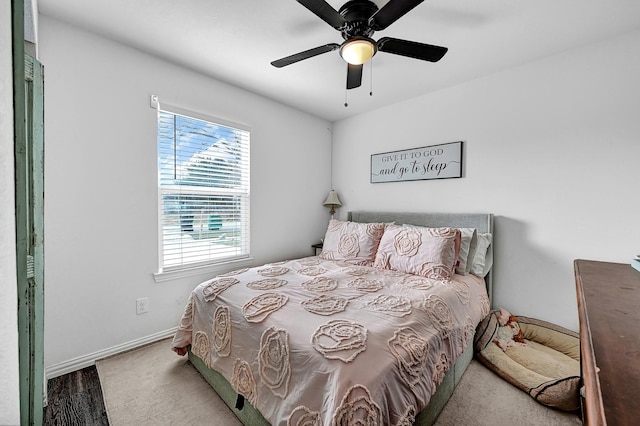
332,199
358,50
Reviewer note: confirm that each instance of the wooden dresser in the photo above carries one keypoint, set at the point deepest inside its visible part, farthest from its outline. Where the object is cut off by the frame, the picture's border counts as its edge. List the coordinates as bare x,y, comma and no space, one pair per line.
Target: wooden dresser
609,311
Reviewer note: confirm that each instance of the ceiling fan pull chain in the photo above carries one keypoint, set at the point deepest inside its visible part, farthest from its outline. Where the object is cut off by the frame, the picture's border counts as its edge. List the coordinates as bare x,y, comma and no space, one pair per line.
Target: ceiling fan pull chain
371,78
346,104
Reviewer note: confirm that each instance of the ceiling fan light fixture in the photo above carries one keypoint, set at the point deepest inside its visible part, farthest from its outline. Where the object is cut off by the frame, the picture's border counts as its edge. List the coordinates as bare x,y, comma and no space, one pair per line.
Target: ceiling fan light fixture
358,50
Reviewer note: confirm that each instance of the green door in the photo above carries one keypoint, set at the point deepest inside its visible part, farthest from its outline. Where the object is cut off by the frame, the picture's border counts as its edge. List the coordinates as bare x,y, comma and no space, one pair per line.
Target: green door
29,170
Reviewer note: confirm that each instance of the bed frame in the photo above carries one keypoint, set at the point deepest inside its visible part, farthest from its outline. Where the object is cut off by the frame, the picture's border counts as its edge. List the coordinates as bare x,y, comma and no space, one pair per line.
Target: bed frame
483,222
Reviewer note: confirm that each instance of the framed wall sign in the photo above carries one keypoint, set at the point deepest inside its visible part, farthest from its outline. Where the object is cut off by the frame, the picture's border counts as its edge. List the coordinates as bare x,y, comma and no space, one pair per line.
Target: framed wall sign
442,161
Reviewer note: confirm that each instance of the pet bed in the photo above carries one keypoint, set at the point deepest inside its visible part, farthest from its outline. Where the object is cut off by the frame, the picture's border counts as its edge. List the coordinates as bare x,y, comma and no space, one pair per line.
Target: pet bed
546,365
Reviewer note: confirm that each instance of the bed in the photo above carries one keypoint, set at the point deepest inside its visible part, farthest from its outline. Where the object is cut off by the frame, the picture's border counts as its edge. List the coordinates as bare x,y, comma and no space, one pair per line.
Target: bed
361,334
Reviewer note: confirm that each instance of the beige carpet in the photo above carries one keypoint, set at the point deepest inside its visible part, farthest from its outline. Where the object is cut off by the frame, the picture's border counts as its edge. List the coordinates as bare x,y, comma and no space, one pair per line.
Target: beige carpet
484,399
154,386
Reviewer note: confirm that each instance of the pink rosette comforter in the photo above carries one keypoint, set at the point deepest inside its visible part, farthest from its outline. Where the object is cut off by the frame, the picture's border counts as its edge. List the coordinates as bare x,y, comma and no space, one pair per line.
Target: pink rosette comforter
314,341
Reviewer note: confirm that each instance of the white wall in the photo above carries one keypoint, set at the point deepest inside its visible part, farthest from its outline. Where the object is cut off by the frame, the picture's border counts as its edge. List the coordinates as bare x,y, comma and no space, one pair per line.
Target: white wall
101,185
9,385
552,149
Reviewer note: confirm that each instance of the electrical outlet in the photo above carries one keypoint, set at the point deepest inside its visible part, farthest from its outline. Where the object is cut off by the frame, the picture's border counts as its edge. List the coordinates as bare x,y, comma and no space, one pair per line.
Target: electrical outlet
142,305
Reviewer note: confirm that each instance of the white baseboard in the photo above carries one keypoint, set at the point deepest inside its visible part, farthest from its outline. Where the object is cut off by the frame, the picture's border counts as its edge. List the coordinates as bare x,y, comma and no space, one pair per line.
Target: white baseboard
88,360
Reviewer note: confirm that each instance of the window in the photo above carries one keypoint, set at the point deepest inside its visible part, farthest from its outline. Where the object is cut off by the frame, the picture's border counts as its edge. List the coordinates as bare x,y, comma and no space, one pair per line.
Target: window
203,183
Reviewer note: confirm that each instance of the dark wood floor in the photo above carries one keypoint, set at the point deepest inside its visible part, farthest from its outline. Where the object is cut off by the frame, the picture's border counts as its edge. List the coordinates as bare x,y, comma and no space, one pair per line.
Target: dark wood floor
75,399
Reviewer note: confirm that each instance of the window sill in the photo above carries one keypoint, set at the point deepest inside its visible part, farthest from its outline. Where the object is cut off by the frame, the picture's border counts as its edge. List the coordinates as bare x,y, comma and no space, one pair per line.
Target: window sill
215,269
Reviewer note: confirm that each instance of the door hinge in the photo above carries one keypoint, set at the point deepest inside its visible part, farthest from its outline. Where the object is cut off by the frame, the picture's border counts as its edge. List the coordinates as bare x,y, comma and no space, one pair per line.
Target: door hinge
30,266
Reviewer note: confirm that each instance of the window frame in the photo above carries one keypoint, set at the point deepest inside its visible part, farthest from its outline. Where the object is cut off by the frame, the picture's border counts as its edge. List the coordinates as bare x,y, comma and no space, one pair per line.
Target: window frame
212,266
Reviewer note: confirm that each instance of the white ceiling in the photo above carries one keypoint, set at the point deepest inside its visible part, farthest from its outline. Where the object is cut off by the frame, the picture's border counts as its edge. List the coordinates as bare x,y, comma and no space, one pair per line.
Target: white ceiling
234,41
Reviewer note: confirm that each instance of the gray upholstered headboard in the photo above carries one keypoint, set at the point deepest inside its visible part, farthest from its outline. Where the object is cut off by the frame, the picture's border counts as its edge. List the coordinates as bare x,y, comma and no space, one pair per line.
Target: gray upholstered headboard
483,222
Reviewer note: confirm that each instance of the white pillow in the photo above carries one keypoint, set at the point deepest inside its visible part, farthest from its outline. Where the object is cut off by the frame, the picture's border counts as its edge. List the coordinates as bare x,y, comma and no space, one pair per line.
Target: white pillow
467,250
482,262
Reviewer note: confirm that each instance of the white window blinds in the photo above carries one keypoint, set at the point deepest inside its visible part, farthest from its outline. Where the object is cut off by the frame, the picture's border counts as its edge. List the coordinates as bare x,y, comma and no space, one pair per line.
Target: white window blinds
203,180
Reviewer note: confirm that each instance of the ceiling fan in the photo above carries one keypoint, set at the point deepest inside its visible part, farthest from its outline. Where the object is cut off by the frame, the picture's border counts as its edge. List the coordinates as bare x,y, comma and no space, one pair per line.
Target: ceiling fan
357,20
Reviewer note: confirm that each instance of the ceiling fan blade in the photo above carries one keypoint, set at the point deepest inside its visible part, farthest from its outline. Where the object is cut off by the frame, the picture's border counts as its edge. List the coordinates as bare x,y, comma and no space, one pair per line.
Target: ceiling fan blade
411,49
324,11
279,63
354,76
391,12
